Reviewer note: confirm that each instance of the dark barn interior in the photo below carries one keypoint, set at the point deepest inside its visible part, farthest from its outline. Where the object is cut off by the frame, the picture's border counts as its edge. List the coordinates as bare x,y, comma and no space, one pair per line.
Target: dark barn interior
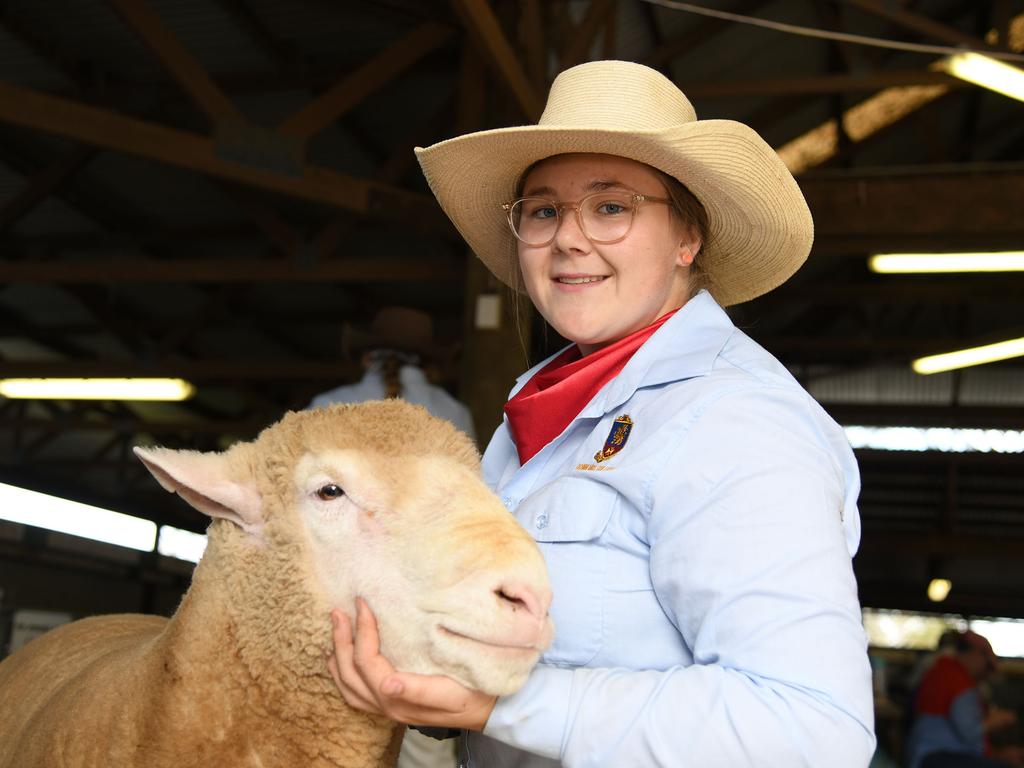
210,189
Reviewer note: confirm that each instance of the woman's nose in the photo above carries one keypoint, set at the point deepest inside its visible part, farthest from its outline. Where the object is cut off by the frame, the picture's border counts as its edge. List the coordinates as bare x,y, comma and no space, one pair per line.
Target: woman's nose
569,236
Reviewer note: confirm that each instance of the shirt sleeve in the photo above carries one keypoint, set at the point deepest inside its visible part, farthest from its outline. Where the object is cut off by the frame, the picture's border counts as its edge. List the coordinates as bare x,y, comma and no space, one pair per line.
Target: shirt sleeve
750,563
967,719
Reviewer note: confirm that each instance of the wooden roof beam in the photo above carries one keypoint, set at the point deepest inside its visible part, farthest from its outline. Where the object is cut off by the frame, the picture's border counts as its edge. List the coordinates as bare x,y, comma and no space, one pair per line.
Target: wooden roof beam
878,113
582,38
43,184
284,55
366,80
104,128
819,84
951,290
532,42
286,369
74,71
182,65
701,33
487,35
922,25
961,203
117,271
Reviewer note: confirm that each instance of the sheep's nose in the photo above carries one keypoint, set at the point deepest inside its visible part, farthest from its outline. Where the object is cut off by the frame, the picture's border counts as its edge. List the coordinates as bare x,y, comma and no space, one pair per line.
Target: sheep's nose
521,597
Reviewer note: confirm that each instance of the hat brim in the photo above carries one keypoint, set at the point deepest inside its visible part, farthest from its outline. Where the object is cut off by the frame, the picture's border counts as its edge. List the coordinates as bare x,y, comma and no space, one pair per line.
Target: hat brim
760,229
355,341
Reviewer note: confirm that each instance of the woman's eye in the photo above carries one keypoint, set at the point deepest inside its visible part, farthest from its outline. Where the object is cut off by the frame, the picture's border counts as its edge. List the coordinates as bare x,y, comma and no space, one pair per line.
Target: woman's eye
544,212
329,492
611,208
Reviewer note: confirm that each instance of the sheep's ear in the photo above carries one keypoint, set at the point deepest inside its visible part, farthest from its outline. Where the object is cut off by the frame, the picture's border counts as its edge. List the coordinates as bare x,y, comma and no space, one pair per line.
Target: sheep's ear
204,481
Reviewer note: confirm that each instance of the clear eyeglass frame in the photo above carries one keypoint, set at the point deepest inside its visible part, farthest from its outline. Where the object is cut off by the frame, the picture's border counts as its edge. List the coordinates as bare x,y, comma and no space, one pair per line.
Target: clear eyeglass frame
637,199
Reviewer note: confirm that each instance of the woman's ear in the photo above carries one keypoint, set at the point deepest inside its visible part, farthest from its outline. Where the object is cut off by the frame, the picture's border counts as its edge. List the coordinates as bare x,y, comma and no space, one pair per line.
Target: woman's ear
689,247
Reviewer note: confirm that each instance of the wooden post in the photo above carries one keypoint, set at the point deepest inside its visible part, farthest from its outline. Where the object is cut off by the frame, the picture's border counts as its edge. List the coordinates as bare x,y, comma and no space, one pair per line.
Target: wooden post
492,357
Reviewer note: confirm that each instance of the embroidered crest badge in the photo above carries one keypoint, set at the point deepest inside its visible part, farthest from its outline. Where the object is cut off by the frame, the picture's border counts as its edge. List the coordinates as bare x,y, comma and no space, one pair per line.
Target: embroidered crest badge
616,438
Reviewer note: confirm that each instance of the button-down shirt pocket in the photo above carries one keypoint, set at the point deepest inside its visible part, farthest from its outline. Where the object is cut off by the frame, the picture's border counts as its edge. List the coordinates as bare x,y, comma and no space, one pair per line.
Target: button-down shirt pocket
568,519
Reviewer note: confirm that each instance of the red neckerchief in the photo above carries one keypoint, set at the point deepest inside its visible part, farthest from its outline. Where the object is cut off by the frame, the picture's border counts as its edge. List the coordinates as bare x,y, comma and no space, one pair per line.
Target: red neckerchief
554,396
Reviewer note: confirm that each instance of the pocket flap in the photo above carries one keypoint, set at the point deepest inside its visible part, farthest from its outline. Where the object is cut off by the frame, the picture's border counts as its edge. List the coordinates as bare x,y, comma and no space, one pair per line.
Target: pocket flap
568,509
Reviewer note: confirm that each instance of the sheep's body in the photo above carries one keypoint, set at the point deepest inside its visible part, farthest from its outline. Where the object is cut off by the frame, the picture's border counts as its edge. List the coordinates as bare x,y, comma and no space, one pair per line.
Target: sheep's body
237,677
132,698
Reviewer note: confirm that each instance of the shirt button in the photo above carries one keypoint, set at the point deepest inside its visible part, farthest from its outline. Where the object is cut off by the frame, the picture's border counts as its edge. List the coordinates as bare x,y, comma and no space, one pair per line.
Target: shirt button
542,521
507,501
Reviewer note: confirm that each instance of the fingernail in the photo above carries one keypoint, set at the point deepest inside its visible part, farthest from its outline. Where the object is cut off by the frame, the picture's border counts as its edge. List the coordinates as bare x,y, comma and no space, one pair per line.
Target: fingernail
391,688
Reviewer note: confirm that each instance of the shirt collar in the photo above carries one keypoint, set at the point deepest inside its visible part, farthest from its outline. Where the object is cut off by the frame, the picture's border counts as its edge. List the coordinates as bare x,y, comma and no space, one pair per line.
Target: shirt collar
410,374
685,346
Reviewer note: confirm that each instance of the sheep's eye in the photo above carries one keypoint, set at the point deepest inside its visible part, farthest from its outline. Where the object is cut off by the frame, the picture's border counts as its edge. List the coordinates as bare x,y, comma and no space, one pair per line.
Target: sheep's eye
329,492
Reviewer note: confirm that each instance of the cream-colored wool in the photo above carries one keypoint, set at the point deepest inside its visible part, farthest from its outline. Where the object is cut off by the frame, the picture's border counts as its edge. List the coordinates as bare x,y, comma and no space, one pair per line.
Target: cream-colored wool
238,676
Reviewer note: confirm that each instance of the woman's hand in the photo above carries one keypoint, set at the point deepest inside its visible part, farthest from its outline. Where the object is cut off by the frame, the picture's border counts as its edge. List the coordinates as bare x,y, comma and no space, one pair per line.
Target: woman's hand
369,682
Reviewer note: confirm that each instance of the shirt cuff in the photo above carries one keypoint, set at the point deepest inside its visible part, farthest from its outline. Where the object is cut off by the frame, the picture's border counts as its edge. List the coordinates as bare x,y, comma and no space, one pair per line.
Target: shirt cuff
534,717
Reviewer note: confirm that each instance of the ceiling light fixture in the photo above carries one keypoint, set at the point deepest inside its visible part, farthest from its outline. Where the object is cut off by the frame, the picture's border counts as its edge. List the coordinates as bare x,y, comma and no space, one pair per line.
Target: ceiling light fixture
964,358
912,263
97,389
987,72
938,589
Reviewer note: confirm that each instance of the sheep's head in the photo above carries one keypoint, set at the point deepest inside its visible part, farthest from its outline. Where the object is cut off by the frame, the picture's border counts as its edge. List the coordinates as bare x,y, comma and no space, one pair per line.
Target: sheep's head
386,503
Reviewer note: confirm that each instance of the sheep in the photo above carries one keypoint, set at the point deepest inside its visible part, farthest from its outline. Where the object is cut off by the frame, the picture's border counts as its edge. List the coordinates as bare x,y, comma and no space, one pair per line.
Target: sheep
378,500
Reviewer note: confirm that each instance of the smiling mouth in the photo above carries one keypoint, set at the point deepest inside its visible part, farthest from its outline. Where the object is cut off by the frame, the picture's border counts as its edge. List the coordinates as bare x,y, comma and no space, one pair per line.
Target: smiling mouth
488,643
580,280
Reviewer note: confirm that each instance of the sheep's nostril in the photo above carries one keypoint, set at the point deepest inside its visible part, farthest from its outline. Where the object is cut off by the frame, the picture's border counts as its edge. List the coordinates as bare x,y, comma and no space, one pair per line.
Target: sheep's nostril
516,603
522,598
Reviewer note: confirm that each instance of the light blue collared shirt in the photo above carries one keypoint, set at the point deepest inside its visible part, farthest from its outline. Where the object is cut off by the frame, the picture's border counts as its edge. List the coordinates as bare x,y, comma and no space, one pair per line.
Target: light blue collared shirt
705,607
415,389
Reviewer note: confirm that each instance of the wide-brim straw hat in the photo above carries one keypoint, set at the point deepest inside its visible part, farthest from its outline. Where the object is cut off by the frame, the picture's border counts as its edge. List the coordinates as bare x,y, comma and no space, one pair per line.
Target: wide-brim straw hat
760,229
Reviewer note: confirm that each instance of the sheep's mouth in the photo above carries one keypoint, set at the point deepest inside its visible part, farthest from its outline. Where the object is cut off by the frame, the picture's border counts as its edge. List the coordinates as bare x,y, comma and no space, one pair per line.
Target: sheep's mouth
496,645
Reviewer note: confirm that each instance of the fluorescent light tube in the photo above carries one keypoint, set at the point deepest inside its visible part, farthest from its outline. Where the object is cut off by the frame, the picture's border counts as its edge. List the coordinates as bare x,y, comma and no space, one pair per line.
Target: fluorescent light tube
20,505
987,72
906,263
96,389
184,545
944,439
965,358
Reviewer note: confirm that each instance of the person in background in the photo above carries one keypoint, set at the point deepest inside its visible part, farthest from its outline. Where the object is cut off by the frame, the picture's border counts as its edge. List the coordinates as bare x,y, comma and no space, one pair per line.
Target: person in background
394,352
695,507
952,720
945,646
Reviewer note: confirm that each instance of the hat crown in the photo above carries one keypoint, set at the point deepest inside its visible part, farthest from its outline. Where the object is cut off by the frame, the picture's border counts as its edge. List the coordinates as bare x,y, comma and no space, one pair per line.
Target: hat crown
616,95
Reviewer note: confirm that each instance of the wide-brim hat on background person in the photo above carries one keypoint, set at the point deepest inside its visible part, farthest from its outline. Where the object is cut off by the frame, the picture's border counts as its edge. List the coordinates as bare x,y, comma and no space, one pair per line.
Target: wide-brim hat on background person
398,328
971,639
760,229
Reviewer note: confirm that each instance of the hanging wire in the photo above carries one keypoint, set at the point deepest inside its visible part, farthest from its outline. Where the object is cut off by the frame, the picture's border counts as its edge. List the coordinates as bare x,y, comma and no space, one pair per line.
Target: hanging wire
825,34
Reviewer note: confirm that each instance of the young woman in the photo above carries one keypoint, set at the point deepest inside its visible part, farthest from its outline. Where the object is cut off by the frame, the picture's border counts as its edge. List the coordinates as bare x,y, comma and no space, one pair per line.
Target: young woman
697,509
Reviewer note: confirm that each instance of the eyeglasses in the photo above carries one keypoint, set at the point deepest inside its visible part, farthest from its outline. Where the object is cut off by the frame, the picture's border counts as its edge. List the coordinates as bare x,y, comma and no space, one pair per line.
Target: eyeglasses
603,217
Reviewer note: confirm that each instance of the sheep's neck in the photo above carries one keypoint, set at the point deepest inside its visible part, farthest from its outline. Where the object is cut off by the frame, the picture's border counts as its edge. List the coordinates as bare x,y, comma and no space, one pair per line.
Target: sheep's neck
260,686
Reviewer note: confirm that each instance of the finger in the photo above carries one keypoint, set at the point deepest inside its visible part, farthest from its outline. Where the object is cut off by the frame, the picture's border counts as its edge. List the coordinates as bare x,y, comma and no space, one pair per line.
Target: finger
348,679
435,692
373,668
351,697
439,700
